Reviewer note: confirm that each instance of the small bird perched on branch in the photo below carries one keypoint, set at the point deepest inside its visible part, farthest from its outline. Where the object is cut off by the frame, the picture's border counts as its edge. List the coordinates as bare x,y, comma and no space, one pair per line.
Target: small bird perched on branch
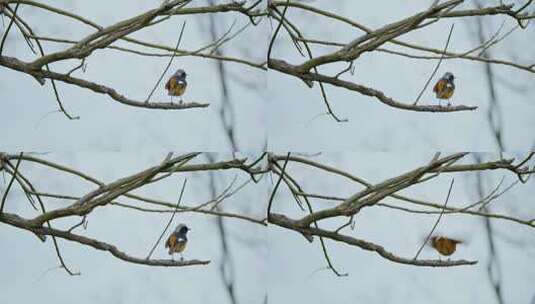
177,240
445,246
445,87
176,85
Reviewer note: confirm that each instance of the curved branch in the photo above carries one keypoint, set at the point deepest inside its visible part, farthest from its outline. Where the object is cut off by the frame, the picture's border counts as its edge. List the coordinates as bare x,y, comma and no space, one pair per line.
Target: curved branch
15,64
229,7
498,10
15,220
289,69
283,221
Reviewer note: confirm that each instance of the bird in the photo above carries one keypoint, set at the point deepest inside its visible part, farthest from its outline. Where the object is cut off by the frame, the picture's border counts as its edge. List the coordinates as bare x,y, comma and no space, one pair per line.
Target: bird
444,245
177,241
445,87
176,85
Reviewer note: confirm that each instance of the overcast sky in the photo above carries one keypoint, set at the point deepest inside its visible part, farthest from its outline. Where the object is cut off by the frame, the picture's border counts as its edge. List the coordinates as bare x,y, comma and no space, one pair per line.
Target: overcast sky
108,125
112,140
275,260
107,279
373,279
375,126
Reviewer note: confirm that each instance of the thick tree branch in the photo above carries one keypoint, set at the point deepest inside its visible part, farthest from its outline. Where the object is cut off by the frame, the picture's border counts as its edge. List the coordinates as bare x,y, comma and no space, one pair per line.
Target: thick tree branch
15,220
289,69
15,64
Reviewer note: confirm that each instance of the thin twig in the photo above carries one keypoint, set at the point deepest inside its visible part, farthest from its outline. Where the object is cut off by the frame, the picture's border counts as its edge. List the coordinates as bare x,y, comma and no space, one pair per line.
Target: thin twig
19,23
277,184
309,205
42,237
292,184
168,64
310,56
58,253
81,65
81,223
170,220
436,223
270,47
9,27
19,222
42,80
4,197
350,222
60,104
438,65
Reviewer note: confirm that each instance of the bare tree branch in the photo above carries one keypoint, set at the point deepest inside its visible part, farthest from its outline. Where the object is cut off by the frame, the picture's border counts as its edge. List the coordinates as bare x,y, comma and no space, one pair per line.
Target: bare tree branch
19,222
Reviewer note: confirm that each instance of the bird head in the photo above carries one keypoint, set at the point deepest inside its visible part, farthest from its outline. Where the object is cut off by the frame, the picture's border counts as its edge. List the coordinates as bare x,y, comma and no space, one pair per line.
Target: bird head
182,229
449,76
181,74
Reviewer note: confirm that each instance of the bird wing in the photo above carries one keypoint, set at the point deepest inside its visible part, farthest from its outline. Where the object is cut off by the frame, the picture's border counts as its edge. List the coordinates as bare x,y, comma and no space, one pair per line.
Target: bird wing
457,241
168,84
171,241
438,86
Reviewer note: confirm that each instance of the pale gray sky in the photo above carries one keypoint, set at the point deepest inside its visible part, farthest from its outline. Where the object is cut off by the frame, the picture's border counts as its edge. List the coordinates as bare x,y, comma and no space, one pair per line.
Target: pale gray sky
376,127
275,260
107,279
373,279
113,140
108,125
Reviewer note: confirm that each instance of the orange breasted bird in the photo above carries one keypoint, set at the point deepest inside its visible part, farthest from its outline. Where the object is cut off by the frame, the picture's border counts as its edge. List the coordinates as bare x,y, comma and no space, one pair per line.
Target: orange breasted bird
176,85
177,240
445,246
445,87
